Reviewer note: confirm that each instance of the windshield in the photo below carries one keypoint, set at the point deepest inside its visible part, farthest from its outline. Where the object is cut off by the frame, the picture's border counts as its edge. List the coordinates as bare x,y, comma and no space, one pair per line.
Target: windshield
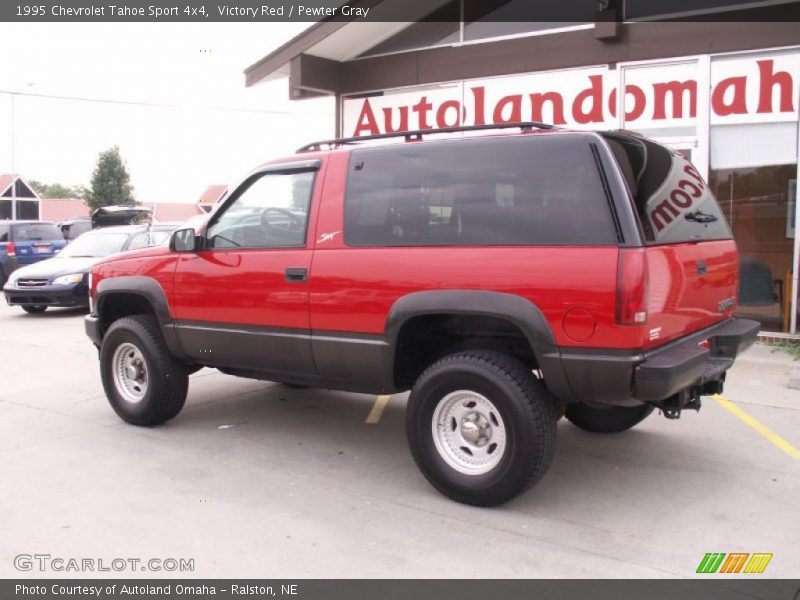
35,232
95,244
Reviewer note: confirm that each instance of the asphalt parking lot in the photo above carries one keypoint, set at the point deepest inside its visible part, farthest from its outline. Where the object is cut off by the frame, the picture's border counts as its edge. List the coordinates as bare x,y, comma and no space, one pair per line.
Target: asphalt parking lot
255,479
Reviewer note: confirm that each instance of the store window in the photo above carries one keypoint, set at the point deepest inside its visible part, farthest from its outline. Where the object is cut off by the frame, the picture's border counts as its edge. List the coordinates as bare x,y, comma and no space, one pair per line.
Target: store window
759,203
26,209
753,171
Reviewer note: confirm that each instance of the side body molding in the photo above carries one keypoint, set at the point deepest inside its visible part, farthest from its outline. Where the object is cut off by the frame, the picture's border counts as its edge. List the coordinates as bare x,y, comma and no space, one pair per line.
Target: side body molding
518,310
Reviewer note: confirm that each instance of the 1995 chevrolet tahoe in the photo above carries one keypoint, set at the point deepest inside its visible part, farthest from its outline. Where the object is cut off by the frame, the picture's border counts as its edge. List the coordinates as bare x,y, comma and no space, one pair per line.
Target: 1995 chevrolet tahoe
505,277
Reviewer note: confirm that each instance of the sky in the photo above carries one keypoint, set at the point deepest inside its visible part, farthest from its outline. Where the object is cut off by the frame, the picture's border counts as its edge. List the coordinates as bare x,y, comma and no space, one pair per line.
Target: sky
214,129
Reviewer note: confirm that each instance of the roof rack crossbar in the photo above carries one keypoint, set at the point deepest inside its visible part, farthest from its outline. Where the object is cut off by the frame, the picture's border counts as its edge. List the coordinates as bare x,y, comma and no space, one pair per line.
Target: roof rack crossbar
417,134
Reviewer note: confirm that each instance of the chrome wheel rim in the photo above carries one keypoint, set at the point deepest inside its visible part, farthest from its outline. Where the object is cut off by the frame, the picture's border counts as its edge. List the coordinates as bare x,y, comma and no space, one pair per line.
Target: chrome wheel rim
130,373
469,432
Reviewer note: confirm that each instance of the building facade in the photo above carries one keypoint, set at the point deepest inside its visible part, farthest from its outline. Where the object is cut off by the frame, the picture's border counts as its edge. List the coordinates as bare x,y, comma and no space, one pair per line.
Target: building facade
724,91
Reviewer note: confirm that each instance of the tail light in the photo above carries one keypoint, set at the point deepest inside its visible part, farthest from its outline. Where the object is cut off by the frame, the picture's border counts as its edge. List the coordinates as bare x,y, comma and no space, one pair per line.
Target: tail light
11,249
632,280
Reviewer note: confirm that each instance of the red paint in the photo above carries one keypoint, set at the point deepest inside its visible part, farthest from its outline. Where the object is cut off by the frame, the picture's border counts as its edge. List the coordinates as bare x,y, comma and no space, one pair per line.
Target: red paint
676,91
353,289
736,105
579,324
594,94
557,102
769,79
639,102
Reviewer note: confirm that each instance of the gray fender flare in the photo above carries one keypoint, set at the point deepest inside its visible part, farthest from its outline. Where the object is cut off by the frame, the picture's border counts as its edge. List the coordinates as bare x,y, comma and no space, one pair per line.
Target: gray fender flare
149,289
518,310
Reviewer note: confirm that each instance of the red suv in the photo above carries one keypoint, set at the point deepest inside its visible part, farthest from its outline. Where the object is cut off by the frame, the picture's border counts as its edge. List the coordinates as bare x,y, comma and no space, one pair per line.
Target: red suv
506,279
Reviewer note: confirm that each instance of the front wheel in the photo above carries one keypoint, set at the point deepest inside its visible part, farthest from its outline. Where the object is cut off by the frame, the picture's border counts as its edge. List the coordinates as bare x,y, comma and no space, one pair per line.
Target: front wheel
613,419
144,384
481,427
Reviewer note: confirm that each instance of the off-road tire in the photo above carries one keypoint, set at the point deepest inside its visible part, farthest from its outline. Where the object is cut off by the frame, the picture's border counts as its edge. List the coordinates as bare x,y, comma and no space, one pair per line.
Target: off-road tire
527,414
614,419
168,380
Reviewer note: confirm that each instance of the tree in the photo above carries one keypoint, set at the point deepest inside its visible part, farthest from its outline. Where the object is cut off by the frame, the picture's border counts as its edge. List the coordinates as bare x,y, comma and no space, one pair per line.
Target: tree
57,190
110,181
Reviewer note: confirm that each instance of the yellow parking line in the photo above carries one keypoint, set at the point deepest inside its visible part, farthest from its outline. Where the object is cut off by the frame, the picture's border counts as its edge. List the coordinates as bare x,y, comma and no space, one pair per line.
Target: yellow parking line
374,415
758,426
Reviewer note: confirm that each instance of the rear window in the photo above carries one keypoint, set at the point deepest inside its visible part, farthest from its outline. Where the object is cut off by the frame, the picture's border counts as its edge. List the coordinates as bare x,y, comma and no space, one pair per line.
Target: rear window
35,232
73,230
673,203
524,190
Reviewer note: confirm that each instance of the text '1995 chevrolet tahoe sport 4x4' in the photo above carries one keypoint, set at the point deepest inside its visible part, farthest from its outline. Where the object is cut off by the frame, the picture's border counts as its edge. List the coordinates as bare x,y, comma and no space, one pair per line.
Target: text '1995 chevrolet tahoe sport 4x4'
506,279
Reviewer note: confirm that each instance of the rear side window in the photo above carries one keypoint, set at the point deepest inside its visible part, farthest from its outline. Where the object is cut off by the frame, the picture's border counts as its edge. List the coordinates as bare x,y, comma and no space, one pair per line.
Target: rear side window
525,190
3,233
35,232
673,203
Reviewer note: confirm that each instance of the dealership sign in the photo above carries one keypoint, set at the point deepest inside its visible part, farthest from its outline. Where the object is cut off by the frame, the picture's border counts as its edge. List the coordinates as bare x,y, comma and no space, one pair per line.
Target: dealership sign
753,89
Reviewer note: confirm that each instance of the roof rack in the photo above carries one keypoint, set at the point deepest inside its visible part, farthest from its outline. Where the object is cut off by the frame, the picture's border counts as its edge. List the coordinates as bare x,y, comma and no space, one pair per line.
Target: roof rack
417,134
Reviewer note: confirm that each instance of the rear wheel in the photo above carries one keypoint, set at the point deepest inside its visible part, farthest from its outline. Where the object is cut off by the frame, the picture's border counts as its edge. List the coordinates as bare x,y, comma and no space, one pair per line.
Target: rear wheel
143,382
613,419
481,427
34,310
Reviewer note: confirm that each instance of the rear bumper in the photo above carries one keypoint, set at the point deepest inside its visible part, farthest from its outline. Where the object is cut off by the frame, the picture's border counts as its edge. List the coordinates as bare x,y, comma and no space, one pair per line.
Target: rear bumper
666,371
658,374
59,296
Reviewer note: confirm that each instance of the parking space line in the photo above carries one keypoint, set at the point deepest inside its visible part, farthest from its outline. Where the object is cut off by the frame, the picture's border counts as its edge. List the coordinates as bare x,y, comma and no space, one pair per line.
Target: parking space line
375,414
758,426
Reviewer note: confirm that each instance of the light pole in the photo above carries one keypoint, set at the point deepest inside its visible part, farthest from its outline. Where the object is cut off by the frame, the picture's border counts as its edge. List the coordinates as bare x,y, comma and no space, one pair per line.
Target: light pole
13,165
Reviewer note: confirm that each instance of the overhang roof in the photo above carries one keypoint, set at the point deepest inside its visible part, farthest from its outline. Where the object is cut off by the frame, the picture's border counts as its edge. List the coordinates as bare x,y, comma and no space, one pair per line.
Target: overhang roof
337,40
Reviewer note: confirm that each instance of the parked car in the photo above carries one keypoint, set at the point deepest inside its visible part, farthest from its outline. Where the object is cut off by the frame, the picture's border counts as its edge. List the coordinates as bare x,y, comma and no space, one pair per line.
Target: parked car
106,216
73,228
26,242
196,222
63,280
505,279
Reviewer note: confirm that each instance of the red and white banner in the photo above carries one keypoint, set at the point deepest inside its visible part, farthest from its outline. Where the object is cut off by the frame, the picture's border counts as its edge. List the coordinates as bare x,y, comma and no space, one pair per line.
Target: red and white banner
751,89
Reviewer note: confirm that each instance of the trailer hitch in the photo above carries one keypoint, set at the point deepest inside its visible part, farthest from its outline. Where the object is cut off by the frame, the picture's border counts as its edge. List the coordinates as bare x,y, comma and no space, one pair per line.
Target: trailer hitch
685,400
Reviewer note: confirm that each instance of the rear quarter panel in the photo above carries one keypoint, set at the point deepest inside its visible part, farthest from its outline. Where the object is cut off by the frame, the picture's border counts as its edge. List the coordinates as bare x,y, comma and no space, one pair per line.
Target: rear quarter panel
352,289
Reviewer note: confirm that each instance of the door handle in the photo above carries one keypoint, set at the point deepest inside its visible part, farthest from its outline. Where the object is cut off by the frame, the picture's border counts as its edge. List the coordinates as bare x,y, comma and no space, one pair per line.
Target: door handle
296,274
702,269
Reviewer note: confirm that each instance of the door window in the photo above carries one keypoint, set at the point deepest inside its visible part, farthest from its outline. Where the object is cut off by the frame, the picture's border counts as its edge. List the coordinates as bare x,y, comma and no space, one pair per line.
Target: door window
269,211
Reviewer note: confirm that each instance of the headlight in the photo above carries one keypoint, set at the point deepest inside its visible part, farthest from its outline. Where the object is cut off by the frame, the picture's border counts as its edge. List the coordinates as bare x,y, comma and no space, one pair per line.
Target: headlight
67,279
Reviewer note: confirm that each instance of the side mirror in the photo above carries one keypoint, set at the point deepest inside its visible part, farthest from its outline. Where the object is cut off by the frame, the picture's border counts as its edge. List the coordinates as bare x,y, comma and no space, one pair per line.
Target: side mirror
184,240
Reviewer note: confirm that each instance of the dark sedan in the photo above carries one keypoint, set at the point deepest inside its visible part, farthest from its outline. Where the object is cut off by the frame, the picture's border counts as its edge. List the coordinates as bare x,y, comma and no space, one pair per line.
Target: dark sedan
63,280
